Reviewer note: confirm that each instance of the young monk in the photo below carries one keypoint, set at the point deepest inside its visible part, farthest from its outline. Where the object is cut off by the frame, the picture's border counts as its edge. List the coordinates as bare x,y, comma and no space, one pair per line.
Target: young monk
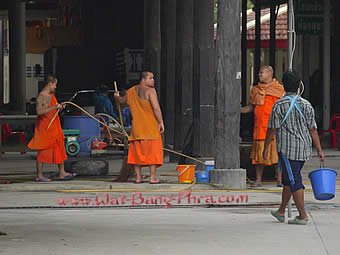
49,142
147,126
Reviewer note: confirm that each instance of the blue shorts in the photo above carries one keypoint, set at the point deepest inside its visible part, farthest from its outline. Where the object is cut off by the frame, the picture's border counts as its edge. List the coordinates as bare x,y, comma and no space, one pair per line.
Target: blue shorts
296,166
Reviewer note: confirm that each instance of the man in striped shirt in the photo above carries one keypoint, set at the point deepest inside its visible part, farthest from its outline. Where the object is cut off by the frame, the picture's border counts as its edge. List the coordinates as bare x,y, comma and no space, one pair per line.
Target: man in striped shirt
295,133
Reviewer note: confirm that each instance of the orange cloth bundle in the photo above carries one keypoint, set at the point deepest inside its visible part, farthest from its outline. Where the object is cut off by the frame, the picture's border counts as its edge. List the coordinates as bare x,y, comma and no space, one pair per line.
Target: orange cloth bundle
259,92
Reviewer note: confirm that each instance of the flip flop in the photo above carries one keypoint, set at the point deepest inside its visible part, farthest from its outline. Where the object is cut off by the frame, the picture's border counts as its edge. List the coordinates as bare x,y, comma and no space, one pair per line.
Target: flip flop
279,185
136,182
43,180
297,221
255,185
69,176
276,214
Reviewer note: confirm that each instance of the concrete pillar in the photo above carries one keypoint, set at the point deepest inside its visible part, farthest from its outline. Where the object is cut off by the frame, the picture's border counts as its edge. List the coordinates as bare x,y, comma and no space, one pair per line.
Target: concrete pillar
168,33
1,61
17,55
203,78
228,84
152,40
326,64
183,70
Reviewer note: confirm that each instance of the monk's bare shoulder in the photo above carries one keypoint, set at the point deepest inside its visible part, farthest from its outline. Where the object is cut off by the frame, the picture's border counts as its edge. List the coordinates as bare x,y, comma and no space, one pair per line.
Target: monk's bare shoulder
150,92
43,101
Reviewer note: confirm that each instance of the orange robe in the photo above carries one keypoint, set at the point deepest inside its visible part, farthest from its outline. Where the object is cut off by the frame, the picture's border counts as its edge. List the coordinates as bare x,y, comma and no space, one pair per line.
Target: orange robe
263,97
145,140
49,143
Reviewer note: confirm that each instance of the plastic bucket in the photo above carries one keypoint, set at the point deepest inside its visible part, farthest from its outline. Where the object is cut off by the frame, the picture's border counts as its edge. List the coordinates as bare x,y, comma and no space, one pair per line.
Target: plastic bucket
209,165
323,183
89,131
186,173
202,177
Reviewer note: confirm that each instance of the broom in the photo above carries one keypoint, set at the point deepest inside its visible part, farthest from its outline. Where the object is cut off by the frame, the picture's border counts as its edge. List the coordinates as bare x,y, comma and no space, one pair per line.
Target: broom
127,170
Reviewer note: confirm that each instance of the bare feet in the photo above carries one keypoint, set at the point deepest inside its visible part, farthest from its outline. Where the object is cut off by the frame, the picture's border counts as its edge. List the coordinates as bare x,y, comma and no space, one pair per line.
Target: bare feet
154,181
42,179
66,174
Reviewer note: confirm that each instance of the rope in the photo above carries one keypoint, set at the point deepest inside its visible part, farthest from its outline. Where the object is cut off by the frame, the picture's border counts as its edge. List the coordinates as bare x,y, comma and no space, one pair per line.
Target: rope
114,130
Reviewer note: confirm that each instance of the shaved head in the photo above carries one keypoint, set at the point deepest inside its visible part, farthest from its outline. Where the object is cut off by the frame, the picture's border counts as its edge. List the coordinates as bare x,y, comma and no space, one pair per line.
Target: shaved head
266,74
267,69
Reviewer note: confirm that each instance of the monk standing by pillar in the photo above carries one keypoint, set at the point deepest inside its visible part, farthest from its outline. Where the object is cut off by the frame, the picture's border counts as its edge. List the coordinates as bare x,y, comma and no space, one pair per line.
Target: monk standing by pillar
146,147
49,142
262,98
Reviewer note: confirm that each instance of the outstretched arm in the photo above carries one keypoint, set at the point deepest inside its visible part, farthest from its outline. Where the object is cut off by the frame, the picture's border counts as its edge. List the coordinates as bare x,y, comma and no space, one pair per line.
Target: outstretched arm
156,109
247,108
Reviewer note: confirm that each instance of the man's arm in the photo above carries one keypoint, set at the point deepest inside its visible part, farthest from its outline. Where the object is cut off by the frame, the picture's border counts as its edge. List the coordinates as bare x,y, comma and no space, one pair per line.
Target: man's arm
120,99
43,105
269,136
247,108
156,109
315,137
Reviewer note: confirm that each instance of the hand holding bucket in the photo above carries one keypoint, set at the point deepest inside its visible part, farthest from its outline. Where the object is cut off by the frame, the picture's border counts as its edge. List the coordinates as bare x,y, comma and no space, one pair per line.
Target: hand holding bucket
323,182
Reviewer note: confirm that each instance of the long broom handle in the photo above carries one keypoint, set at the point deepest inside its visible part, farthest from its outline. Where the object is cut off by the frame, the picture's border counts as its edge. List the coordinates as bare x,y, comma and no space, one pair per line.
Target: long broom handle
55,115
119,110
175,152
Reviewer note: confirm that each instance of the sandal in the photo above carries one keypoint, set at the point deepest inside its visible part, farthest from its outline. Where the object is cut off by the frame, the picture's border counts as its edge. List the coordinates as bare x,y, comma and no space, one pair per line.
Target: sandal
276,214
255,185
297,221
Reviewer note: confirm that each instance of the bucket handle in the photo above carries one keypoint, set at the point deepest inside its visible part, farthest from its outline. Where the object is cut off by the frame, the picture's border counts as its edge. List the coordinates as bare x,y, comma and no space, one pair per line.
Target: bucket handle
187,167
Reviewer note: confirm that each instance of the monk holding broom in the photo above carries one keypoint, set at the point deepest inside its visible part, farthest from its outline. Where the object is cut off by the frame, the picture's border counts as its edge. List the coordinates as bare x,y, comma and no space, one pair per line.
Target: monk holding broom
48,136
146,147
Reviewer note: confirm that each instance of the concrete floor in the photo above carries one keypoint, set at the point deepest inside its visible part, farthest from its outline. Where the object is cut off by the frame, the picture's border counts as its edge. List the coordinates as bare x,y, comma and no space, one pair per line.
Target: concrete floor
166,231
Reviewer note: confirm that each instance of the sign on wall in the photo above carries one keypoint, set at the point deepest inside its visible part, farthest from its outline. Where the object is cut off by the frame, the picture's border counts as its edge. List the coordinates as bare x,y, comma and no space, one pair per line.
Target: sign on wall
309,16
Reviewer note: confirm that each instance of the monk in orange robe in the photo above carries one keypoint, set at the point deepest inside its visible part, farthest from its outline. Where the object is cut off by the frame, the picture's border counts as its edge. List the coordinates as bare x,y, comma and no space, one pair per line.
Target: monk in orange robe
147,126
262,98
49,142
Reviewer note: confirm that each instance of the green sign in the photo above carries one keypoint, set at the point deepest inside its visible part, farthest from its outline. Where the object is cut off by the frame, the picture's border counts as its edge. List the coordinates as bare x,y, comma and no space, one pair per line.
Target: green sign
309,7
309,16
309,25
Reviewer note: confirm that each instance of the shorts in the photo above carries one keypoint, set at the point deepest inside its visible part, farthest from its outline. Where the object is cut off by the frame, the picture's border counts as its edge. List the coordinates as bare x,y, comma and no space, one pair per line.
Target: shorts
296,167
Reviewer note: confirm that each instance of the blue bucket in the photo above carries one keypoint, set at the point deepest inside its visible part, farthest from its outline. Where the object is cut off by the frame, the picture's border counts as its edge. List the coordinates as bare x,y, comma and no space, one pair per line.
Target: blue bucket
202,177
323,183
89,131
209,165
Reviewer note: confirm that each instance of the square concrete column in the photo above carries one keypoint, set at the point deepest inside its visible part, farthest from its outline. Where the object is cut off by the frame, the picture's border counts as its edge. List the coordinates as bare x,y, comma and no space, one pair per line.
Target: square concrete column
17,54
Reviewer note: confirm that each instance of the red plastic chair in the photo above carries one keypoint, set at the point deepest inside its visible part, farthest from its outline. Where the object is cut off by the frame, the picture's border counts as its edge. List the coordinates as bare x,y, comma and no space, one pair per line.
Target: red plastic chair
336,118
7,131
